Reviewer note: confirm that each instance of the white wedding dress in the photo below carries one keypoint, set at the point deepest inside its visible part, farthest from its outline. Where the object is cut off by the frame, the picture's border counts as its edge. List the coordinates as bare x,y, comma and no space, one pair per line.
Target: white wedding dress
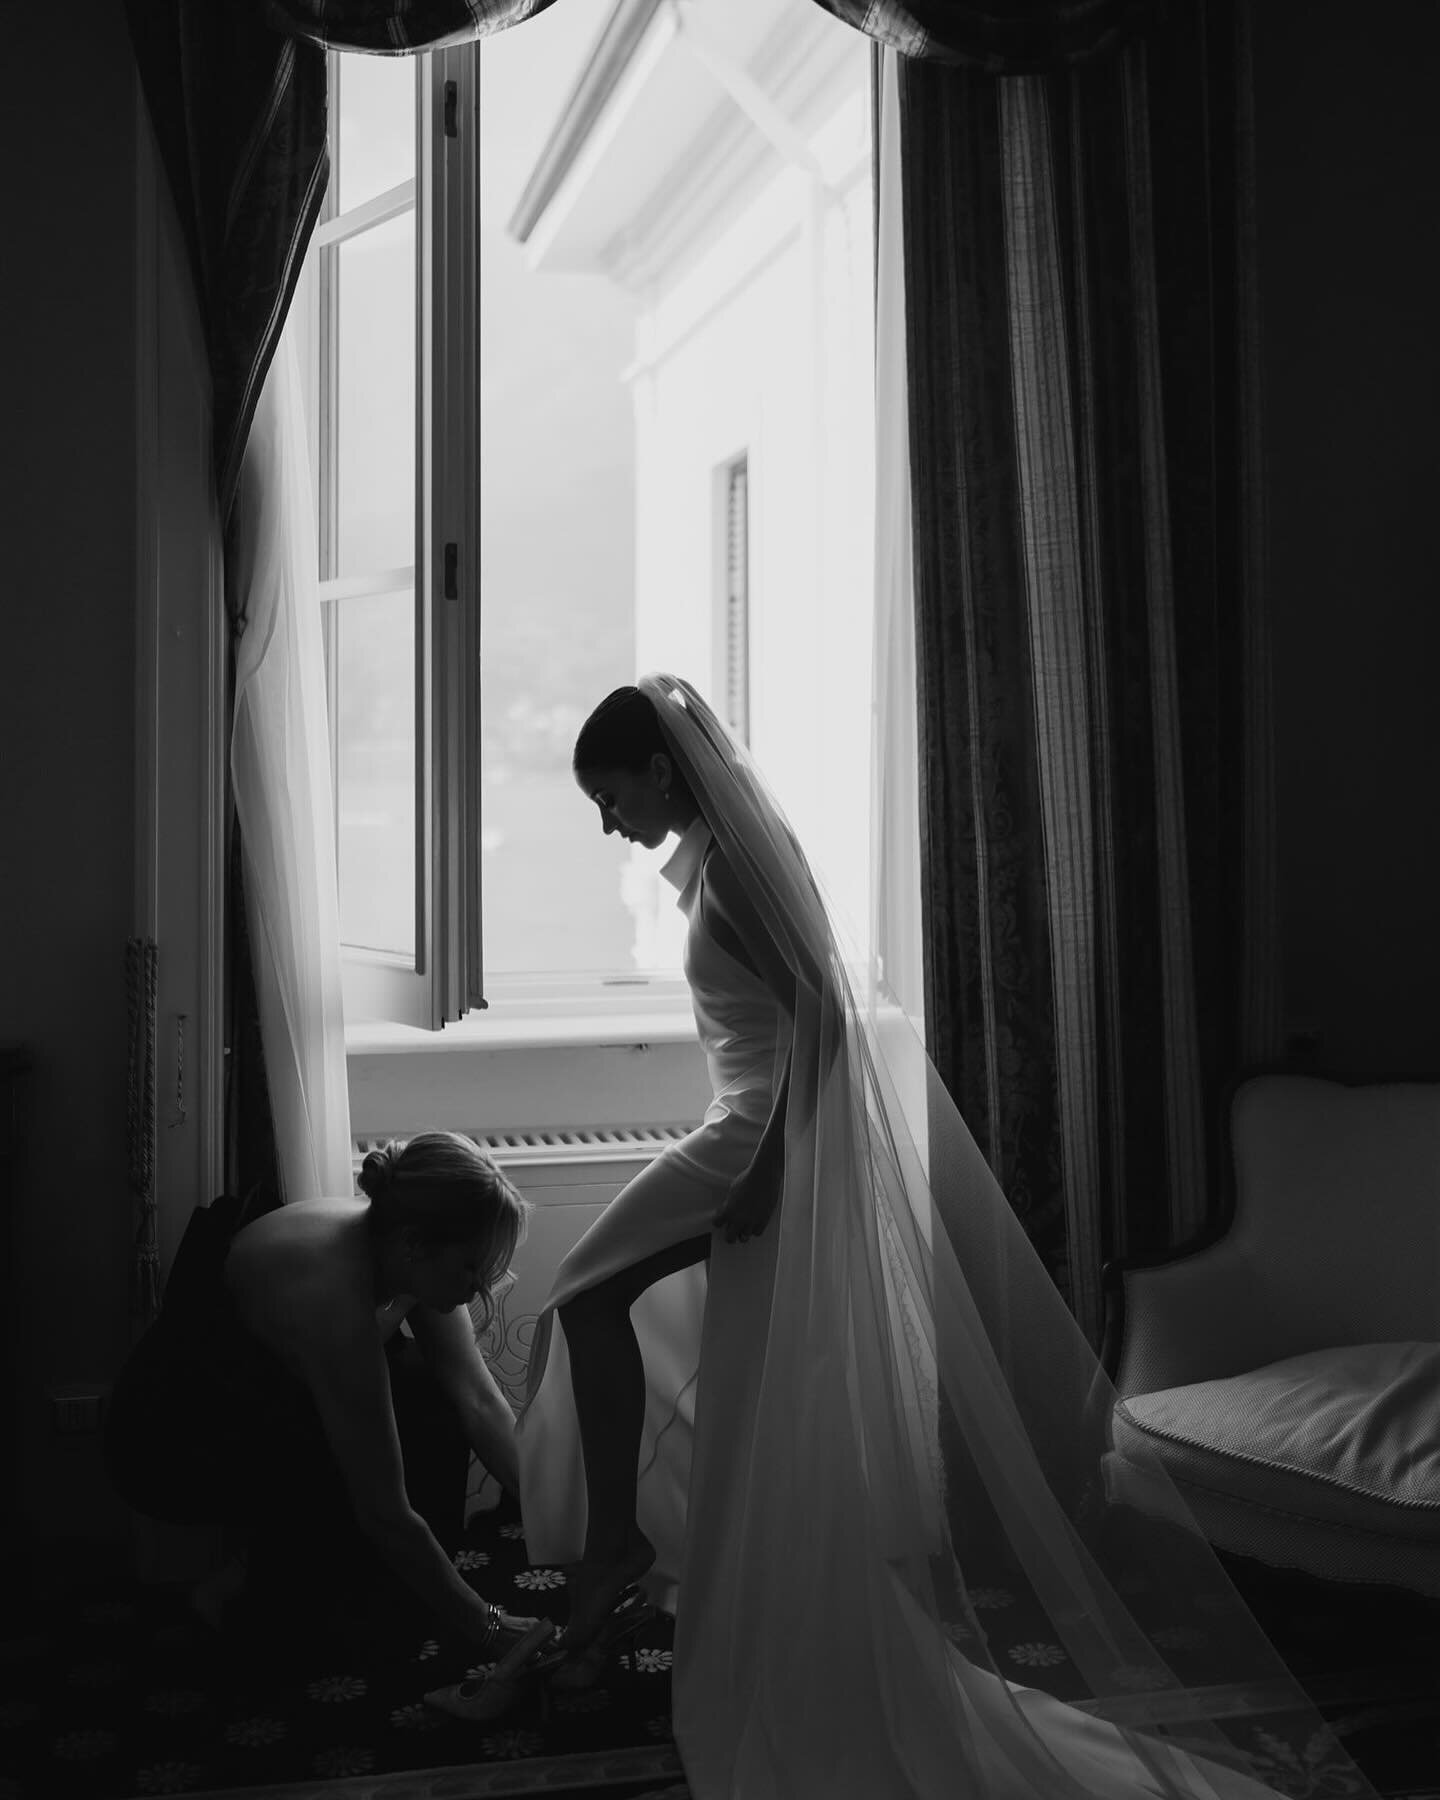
673,1200
878,1400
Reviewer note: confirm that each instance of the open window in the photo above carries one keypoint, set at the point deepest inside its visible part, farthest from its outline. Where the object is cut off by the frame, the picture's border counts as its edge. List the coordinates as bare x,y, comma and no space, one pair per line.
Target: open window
562,275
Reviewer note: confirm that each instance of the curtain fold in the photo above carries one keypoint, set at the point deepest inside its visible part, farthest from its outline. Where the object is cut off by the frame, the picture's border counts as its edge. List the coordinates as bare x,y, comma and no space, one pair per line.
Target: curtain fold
280,767
1088,624
897,958
392,27
1005,37
239,116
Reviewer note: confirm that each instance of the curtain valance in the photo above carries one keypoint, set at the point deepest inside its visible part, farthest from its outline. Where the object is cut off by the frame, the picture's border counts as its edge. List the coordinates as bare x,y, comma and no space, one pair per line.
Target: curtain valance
1007,37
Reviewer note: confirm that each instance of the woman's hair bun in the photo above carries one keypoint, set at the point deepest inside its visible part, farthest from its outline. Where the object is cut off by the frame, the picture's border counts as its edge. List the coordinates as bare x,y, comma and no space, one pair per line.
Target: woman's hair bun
377,1172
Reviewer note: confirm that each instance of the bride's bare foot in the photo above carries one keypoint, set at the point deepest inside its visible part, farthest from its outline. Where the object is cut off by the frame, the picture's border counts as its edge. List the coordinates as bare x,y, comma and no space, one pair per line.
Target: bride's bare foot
596,1587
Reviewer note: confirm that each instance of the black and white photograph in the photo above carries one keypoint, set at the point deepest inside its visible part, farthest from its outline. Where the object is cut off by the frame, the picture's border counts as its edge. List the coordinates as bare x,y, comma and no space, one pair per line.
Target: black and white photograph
720,1038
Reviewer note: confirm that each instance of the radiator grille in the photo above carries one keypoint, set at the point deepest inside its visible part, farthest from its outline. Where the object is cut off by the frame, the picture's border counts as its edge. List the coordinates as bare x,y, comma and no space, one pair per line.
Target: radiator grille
589,1144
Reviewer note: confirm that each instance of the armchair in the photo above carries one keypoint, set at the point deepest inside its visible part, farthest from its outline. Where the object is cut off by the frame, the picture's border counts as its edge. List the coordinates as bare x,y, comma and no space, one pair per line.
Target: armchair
1287,1371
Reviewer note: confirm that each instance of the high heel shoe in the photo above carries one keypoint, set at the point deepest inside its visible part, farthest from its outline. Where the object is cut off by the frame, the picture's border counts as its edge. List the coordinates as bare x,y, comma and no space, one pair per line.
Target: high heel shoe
486,1698
570,1671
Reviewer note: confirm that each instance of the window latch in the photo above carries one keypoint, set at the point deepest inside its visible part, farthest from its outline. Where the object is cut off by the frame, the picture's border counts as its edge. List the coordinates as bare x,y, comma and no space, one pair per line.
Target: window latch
452,128
452,571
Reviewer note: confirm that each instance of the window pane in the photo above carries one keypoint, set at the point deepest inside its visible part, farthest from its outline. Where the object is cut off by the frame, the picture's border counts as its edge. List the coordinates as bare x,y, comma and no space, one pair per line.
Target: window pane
375,729
557,541
665,298
377,126
376,400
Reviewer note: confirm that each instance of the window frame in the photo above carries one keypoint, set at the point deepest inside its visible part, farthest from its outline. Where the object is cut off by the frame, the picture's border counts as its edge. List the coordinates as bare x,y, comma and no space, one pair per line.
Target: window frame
443,978
446,979
448,484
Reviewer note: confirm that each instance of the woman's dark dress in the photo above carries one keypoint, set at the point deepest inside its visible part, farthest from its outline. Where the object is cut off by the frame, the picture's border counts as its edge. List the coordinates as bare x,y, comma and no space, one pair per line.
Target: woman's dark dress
206,1425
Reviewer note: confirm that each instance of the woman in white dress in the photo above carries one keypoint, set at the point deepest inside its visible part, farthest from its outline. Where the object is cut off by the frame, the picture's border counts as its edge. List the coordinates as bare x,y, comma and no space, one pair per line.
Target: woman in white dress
722,1174
807,1380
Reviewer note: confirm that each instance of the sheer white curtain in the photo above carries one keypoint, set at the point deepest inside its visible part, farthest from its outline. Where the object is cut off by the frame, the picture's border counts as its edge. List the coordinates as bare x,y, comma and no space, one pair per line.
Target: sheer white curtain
280,766
897,965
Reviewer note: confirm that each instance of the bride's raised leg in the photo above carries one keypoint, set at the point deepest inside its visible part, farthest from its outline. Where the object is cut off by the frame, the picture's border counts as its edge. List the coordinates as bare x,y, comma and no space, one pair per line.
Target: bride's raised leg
607,1374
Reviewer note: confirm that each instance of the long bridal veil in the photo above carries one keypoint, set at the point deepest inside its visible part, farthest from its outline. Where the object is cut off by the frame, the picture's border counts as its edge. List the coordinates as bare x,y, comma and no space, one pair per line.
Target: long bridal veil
931,1433
930,1425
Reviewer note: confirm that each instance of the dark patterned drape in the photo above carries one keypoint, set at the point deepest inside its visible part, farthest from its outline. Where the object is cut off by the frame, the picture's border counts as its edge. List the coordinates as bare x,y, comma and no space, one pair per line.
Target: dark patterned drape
1005,37
252,1160
239,115
1091,675
395,26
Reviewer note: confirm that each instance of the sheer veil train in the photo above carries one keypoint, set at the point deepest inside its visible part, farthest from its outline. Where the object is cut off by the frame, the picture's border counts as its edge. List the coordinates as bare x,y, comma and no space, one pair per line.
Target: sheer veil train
926,1418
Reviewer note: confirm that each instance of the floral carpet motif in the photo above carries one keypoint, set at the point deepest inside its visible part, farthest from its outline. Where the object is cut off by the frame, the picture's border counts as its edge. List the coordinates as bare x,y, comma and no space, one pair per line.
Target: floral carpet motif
118,1691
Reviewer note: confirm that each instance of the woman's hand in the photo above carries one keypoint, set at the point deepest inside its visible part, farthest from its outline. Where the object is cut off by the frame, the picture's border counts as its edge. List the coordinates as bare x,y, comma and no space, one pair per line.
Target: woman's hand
755,1195
509,1628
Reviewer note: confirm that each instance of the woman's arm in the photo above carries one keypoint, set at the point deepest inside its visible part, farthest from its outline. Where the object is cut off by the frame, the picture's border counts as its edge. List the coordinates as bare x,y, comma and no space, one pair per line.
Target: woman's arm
345,1368
447,1342
732,917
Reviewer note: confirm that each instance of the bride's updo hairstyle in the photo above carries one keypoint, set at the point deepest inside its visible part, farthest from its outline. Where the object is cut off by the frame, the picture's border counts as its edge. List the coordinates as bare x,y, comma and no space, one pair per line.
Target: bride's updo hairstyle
623,732
443,1189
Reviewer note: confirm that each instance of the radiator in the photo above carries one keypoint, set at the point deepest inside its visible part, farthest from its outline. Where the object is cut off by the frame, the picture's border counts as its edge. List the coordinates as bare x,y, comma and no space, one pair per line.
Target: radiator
568,1177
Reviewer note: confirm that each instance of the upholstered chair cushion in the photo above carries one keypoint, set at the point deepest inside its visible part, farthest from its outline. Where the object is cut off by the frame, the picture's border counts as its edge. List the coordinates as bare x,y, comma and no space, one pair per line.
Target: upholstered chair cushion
1350,1436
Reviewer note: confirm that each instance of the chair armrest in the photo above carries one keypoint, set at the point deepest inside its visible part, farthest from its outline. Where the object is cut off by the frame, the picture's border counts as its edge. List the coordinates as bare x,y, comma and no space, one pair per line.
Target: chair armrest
1197,1315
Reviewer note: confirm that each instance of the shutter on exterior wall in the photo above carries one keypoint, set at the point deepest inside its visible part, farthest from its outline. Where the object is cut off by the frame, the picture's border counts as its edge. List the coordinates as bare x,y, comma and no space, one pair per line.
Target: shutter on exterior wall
737,598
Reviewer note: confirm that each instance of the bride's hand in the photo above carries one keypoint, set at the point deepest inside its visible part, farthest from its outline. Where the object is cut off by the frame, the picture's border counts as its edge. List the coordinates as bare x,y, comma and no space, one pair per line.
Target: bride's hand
749,1204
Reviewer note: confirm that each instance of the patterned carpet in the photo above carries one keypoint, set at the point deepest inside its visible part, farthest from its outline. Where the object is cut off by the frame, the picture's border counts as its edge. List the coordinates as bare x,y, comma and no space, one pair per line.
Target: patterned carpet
1370,1660
117,1690
114,1691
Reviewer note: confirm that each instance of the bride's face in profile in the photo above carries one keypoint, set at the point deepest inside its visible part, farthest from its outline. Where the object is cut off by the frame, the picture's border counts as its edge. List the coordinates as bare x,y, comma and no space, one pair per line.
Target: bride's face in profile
633,802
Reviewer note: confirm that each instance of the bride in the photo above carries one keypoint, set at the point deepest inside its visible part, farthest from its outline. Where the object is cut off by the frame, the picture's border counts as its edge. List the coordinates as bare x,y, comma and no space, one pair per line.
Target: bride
807,1381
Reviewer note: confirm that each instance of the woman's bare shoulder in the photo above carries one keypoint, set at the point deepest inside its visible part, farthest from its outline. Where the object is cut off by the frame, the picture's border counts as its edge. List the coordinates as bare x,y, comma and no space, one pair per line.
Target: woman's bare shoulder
300,1276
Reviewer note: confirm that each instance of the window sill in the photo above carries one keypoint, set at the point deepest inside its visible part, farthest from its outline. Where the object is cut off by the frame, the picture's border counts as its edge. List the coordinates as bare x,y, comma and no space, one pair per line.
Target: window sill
506,1070
496,1029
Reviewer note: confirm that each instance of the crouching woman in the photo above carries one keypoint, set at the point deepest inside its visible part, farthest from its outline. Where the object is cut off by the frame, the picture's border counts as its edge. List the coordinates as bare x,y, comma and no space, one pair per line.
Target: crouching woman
276,1394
